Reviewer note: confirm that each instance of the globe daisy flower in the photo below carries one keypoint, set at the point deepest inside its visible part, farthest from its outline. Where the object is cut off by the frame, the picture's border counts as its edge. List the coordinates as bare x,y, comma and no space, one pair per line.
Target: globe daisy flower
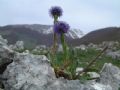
56,11
61,27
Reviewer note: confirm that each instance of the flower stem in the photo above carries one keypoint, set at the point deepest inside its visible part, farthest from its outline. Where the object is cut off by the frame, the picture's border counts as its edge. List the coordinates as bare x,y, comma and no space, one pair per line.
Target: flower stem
55,36
64,46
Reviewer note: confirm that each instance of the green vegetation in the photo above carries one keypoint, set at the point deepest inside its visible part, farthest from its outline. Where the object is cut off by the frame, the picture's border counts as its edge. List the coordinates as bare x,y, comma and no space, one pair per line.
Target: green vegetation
86,56
81,58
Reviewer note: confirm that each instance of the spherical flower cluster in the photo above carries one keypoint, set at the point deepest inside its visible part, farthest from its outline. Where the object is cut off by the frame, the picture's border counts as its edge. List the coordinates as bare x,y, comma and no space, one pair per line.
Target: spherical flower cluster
56,11
61,27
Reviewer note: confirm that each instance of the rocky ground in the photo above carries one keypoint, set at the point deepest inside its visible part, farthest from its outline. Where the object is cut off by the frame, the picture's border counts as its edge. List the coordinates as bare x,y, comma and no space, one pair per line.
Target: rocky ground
26,71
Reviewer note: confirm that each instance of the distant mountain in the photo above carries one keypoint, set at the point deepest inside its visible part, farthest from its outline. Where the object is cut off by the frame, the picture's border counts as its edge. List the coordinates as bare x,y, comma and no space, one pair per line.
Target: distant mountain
35,34
47,29
98,36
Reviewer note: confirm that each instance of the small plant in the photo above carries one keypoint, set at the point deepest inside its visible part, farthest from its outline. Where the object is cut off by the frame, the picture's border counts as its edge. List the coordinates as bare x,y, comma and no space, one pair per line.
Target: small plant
65,63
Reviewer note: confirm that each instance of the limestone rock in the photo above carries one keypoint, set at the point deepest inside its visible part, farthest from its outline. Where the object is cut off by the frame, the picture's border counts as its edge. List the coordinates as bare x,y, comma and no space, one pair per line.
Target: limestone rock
19,45
93,75
34,72
79,69
3,41
99,86
82,47
110,75
114,55
6,57
28,69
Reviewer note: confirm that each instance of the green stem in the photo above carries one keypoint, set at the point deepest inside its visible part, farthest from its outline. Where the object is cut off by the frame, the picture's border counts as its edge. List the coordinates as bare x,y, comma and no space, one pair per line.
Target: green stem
64,46
54,47
55,36
55,19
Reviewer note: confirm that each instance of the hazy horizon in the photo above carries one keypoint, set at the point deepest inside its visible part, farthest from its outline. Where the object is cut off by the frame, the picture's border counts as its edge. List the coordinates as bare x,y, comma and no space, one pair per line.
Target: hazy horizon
84,15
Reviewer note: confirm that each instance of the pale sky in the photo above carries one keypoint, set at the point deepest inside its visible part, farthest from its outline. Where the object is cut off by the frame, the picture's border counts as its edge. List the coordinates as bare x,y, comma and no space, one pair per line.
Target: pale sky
86,15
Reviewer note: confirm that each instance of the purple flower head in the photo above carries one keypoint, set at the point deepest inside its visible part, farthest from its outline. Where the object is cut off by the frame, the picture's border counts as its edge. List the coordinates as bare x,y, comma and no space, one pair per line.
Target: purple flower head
56,11
61,27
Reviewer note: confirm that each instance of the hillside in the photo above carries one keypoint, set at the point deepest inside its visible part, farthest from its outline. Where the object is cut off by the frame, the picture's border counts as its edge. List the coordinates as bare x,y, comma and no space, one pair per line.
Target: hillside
100,35
35,34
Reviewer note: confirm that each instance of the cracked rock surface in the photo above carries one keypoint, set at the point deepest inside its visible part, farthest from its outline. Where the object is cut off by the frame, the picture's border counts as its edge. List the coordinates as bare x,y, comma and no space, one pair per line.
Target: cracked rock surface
33,72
